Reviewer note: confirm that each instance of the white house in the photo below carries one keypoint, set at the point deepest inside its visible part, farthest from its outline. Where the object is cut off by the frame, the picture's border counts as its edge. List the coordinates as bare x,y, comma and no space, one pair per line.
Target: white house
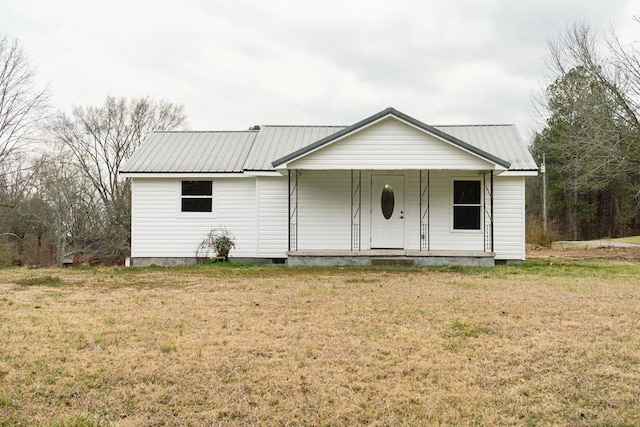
386,189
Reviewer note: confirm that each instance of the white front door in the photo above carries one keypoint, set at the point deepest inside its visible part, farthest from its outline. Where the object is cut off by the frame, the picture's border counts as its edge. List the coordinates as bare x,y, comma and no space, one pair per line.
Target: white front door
387,211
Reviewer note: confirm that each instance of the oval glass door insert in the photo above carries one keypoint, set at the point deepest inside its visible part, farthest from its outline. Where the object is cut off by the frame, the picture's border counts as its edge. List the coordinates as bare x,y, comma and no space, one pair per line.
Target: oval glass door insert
387,201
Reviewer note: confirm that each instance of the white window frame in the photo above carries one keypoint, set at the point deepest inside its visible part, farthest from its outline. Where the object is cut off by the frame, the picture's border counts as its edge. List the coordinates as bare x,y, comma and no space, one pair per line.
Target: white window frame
454,205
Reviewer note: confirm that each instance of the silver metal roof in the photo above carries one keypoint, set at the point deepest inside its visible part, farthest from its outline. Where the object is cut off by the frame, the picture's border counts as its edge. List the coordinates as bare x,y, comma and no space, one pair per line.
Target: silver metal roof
503,141
227,152
170,152
274,142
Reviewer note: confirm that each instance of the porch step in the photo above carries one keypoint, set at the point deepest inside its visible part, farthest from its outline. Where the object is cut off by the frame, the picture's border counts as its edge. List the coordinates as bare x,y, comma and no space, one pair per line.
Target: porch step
403,261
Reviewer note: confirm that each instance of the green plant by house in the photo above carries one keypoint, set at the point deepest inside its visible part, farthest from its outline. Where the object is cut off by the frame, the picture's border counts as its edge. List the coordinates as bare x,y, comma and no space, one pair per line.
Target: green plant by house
216,246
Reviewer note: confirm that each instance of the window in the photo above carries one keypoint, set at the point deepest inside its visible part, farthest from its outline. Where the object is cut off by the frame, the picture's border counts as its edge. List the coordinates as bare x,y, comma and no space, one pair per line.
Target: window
387,201
467,197
197,196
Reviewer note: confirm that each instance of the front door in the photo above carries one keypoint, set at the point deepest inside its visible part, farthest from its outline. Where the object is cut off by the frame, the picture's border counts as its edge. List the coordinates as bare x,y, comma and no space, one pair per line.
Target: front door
387,211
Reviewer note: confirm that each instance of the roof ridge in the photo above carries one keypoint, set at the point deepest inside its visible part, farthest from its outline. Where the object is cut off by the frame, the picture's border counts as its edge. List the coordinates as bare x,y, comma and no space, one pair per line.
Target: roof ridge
303,126
476,125
205,131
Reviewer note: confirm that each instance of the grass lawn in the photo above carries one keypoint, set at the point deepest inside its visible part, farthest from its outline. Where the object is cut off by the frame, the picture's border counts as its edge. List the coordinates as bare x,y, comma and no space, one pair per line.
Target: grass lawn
552,342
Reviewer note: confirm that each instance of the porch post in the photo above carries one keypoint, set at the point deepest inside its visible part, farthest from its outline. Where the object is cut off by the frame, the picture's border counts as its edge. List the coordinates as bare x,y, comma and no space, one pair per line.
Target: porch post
492,228
488,212
425,240
356,209
293,210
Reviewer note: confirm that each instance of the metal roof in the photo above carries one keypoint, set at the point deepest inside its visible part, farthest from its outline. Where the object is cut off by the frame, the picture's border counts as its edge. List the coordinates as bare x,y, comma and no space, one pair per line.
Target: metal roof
235,152
503,141
172,152
391,112
274,142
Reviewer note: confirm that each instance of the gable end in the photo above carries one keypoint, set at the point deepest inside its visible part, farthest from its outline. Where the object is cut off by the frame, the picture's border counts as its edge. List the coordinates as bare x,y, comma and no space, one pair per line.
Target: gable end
402,117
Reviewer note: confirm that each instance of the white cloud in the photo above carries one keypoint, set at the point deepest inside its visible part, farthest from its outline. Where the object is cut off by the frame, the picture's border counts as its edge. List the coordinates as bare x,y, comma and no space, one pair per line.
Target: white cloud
235,64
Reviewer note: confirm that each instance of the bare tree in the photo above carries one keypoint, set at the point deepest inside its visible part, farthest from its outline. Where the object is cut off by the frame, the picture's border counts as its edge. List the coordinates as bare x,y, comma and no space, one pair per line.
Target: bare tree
22,105
75,212
100,139
592,133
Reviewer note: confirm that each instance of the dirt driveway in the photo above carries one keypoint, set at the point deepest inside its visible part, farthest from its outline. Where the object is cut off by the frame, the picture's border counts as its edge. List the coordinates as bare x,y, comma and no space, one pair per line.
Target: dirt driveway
588,250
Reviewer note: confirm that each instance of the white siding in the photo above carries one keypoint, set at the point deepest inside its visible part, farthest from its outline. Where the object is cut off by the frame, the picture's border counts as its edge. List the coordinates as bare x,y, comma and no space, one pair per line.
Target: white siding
509,217
324,210
255,210
442,235
390,144
273,208
159,229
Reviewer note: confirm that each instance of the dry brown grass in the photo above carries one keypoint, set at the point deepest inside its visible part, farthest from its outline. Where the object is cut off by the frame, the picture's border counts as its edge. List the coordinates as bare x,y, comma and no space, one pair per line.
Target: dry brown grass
548,343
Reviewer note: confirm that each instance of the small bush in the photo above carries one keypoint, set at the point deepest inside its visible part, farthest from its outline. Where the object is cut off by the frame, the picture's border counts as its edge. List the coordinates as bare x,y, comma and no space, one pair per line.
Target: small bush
217,244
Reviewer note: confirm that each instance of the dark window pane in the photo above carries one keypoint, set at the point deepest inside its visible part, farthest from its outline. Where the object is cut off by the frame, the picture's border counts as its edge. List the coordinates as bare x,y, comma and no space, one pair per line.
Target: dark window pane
196,188
466,217
387,201
196,205
466,192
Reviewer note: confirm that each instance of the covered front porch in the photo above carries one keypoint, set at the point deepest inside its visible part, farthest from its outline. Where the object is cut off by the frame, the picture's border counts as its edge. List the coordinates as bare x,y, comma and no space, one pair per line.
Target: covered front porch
393,189
390,217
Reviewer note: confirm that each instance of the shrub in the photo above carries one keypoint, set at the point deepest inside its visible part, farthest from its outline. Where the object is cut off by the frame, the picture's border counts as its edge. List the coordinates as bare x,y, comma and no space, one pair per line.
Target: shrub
218,242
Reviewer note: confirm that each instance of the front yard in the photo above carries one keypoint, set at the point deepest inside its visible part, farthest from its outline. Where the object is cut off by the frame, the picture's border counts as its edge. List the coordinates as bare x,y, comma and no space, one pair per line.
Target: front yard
553,342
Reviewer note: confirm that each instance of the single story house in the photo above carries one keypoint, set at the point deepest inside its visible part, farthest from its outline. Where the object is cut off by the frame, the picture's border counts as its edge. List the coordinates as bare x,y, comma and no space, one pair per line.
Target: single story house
388,188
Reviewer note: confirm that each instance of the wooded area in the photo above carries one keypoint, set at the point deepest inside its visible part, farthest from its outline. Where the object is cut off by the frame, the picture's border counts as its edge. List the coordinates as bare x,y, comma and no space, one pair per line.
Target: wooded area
591,140
60,194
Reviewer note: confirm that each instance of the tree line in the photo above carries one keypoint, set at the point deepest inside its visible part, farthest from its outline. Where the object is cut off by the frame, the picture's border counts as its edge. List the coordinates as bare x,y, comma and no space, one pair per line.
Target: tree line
591,137
60,194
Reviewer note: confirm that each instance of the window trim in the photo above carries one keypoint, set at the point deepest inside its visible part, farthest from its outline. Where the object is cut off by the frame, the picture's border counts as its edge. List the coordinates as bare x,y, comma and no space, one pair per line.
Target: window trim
454,205
181,197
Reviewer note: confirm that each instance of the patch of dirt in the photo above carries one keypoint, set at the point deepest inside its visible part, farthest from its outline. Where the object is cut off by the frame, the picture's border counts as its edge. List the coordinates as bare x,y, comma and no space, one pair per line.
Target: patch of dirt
603,252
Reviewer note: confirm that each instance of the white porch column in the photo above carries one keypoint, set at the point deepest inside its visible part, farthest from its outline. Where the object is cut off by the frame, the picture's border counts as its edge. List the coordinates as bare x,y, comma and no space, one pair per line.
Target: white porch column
356,209
488,212
293,210
425,240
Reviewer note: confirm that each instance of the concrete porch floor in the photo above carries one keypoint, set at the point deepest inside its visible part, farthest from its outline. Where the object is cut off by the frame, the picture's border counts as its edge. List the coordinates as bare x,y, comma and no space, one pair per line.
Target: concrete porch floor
390,257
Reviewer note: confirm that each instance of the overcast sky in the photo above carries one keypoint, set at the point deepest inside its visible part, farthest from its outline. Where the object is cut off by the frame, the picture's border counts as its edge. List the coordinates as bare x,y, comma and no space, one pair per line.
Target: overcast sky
237,63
